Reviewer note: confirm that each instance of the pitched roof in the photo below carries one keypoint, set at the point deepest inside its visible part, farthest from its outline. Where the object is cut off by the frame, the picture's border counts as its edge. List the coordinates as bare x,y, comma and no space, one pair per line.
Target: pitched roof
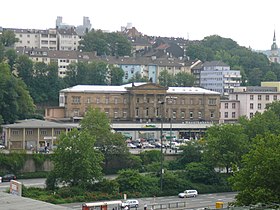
34,123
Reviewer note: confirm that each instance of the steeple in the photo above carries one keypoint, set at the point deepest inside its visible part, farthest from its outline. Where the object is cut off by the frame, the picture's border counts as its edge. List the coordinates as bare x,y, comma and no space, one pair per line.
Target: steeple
274,45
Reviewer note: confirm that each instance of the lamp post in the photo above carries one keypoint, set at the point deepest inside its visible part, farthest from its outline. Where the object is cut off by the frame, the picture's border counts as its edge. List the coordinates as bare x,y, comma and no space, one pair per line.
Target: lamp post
161,152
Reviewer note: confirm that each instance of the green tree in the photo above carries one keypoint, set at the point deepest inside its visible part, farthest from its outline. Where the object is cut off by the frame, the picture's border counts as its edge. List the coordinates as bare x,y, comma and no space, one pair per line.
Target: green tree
76,162
192,152
24,67
105,43
15,101
111,144
199,172
116,75
11,56
129,180
258,179
8,38
166,79
270,76
184,79
225,145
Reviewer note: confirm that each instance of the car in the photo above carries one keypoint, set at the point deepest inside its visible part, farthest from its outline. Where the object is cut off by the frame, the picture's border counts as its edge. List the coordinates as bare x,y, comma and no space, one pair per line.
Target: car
8,177
2,146
131,146
44,150
188,194
131,203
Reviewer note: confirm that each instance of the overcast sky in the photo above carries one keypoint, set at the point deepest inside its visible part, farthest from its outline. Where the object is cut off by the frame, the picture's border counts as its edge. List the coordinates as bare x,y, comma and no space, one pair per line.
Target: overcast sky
251,23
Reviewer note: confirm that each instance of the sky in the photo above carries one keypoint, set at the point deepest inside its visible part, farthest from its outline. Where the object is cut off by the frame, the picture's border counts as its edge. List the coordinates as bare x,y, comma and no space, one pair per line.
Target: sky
251,23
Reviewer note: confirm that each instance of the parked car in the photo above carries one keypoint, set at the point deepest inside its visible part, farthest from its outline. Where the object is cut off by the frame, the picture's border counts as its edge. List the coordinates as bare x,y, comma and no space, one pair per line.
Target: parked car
44,150
131,203
8,177
188,194
2,146
131,146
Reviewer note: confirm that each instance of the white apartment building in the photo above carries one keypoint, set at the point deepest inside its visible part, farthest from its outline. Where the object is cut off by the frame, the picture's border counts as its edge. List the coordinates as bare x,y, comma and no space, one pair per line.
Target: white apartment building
217,76
68,39
246,101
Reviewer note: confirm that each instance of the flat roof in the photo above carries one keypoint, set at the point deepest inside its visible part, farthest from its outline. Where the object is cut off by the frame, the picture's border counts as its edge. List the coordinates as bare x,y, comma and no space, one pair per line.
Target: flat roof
14,202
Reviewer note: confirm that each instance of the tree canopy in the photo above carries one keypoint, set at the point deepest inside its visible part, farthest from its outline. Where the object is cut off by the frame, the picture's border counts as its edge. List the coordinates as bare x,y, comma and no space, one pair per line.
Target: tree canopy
15,100
103,43
76,161
258,179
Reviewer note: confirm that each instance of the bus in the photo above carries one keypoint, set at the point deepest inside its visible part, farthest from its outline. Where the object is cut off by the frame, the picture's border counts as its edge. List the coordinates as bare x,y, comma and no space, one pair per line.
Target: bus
102,205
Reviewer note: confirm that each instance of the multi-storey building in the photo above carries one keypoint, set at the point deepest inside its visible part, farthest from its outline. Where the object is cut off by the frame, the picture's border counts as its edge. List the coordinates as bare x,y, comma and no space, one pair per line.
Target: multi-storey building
139,102
218,76
246,101
68,39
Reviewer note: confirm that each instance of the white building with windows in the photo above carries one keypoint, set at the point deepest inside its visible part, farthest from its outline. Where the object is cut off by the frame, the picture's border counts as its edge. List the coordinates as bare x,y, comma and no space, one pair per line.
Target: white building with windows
246,101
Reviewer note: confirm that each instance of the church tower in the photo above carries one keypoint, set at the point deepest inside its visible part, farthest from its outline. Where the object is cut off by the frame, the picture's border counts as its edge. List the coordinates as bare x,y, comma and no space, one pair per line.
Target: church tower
274,53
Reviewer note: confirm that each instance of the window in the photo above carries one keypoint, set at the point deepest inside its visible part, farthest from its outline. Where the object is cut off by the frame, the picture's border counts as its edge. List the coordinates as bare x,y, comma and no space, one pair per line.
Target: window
43,132
107,112
97,100
212,114
76,112
259,97
157,111
107,100
148,100
199,115
29,132
233,105
183,101
191,101
226,105
267,97
212,101
15,132
124,101
259,106
251,114
200,101
116,114
124,114
147,112
182,114
226,114
137,112
57,132
88,100
191,115
76,99
236,97
174,114
251,97
116,100
233,114
137,100
251,106
274,97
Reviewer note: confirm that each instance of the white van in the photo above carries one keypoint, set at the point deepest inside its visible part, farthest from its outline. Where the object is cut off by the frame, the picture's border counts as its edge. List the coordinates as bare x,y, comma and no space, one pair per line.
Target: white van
130,203
188,194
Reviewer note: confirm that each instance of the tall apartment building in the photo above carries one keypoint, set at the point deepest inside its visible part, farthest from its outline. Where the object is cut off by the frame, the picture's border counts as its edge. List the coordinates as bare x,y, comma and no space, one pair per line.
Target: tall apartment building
139,102
218,76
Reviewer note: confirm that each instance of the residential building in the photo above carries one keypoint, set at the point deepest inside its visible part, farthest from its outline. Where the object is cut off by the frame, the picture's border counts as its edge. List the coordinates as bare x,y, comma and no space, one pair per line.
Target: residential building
218,76
68,39
138,102
246,101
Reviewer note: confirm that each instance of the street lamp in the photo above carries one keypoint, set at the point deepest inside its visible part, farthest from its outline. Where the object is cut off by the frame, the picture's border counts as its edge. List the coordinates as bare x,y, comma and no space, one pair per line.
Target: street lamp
161,152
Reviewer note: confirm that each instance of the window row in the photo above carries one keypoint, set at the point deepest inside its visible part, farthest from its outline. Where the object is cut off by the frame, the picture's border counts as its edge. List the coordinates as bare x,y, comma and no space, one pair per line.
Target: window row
32,132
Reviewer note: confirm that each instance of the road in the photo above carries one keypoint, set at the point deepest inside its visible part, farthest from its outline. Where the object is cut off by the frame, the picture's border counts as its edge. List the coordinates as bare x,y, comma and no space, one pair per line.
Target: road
202,201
